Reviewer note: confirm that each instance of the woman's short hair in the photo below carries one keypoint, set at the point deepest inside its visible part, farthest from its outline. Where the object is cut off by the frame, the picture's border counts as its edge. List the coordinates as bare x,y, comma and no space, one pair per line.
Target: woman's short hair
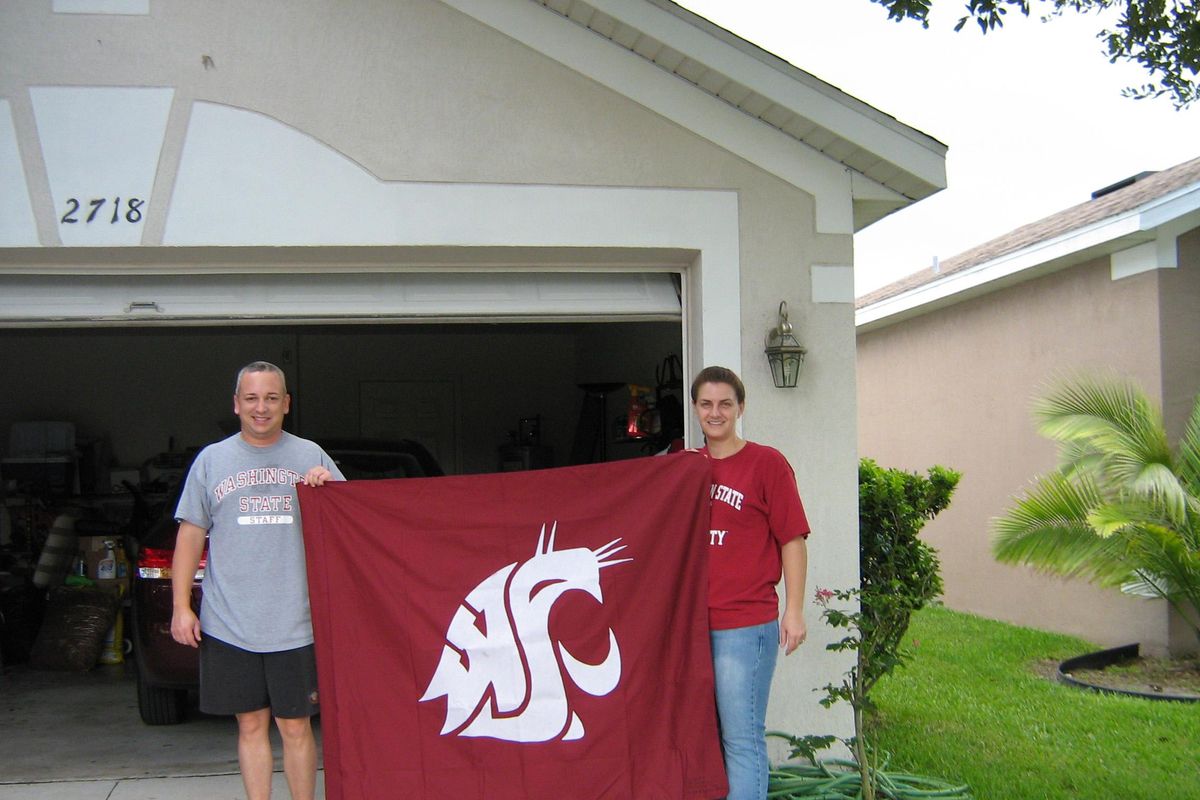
259,366
719,375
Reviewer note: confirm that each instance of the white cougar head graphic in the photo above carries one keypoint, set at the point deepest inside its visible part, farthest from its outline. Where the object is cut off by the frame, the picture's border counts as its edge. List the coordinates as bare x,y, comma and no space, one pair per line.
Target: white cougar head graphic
499,672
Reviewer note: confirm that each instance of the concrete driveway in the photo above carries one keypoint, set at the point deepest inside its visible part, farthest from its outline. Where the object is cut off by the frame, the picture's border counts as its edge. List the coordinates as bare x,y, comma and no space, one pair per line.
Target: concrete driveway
70,736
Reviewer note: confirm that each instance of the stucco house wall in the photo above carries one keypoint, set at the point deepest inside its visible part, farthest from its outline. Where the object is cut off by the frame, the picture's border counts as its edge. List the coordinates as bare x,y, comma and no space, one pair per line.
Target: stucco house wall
424,95
1179,299
954,388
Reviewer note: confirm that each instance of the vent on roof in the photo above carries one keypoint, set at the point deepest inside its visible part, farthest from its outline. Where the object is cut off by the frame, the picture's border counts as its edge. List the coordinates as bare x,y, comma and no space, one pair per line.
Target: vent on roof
1121,184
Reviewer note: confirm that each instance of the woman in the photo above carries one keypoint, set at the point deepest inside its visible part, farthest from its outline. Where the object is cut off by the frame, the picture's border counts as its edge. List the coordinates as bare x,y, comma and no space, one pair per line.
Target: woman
758,531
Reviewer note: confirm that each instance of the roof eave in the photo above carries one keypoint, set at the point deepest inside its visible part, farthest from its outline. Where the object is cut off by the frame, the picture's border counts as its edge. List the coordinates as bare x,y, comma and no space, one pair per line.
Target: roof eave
1161,219
920,157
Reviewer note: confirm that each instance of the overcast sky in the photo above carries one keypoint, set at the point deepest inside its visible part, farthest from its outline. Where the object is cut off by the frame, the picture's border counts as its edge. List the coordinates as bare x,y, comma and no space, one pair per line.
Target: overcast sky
1033,113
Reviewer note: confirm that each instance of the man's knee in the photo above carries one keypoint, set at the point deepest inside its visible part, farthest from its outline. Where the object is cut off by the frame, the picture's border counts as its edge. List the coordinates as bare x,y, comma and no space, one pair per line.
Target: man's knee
254,723
297,729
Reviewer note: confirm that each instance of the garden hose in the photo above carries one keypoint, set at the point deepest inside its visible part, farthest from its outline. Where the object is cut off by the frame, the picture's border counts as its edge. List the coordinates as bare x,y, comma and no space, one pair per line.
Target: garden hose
838,779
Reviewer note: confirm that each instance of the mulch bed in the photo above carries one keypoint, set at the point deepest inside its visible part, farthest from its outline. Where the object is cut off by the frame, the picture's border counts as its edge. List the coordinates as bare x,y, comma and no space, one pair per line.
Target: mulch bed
1178,677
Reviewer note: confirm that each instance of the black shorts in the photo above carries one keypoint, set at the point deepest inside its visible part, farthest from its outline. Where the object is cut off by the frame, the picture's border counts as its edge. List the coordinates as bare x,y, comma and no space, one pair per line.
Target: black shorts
234,681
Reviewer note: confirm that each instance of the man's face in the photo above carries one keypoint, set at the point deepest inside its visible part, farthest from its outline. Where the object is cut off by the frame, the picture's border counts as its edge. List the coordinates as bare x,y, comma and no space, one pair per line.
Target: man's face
261,404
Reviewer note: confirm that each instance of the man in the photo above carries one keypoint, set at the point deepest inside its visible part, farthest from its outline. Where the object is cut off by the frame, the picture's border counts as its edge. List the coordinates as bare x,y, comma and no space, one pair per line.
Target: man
256,651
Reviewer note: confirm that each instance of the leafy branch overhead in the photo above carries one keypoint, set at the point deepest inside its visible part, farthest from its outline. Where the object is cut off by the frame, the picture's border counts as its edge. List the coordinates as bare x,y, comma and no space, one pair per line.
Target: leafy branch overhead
1163,36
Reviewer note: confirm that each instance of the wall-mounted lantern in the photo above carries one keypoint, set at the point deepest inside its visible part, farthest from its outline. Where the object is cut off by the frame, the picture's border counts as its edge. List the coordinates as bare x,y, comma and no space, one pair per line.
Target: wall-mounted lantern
784,352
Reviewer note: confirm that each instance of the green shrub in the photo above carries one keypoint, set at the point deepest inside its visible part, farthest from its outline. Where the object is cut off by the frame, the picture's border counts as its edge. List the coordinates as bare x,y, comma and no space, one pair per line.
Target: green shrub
899,575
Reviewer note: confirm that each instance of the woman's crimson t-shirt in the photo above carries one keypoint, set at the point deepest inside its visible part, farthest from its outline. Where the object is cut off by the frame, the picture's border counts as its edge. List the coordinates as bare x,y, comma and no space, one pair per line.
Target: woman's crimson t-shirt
756,509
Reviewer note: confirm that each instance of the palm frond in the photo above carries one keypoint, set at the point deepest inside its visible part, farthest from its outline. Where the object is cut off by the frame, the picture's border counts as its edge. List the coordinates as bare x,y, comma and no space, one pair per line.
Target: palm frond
1109,519
1189,451
1110,416
1110,430
1160,549
1048,529
1080,457
1156,481
1085,407
1148,585
1122,509
1190,532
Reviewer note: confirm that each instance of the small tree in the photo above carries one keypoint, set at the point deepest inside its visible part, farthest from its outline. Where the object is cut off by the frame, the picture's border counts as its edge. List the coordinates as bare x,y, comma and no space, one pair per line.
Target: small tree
899,574
1123,509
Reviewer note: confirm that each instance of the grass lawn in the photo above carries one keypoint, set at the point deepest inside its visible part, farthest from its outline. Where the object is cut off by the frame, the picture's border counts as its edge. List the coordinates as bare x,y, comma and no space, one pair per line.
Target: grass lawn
969,707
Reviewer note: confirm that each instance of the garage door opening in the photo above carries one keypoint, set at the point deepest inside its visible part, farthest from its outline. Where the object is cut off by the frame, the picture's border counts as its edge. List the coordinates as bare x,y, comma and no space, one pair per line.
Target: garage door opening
136,394
140,401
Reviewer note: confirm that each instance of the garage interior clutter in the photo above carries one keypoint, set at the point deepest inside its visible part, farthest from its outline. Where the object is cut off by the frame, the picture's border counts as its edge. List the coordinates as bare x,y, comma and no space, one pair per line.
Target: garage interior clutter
99,425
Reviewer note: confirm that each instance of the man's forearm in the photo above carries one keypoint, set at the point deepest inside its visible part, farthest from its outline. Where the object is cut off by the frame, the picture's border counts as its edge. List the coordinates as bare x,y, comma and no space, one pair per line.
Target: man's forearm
189,548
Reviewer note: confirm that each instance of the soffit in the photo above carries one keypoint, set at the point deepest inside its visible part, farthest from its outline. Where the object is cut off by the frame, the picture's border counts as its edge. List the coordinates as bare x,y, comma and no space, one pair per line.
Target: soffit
838,126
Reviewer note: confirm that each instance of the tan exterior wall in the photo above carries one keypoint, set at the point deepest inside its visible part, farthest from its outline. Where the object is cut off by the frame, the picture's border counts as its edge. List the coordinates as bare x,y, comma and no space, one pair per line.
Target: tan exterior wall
953,387
415,91
1179,296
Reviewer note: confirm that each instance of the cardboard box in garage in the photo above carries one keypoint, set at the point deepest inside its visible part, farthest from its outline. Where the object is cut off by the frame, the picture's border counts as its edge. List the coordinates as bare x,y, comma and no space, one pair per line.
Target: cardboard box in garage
93,550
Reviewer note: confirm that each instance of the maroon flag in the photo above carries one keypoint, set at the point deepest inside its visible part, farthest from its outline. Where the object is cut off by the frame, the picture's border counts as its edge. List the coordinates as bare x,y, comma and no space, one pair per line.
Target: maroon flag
521,635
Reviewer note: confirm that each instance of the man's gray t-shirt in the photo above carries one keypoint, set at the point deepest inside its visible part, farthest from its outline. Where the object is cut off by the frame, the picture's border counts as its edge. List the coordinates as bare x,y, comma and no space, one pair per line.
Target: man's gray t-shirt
255,583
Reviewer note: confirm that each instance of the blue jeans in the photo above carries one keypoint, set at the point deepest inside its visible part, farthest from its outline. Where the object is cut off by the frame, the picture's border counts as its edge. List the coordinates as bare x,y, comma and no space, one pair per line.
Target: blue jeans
743,662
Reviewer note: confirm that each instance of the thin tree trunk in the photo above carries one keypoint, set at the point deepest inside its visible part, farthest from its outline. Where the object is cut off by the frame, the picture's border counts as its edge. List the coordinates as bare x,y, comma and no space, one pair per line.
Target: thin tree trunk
860,739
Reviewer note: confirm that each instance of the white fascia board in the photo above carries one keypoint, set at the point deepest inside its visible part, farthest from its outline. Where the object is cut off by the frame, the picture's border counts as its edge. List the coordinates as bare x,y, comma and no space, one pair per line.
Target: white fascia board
1167,238
640,80
925,159
1005,266
1159,220
1161,252
872,201
869,189
1169,208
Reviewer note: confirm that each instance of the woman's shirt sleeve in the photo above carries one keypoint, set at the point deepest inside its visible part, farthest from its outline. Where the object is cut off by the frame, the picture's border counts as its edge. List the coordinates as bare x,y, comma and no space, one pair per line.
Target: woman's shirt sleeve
785,509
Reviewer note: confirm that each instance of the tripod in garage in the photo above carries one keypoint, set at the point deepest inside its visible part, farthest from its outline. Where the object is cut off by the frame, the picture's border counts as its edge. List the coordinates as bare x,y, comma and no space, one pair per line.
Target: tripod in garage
590,433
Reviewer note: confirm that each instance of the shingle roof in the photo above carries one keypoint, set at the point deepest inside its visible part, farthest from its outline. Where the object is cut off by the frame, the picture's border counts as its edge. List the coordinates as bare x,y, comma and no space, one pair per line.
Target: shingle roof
1141,191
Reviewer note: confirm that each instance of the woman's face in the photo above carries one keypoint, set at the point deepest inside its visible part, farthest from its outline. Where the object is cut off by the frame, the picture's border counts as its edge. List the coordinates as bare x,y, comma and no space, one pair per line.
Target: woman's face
717,410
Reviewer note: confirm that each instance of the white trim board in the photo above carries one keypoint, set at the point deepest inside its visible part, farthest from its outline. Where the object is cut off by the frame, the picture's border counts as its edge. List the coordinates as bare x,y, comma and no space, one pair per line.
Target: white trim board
247,179
259,298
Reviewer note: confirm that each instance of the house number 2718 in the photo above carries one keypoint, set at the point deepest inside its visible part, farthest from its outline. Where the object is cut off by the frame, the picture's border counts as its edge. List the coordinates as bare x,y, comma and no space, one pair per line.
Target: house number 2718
77,211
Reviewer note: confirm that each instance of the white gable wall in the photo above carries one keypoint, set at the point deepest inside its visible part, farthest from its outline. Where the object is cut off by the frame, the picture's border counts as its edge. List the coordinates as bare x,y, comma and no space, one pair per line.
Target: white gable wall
438,105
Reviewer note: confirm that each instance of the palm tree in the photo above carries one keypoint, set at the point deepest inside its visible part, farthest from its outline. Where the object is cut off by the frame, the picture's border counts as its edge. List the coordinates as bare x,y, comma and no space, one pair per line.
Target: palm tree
1123,509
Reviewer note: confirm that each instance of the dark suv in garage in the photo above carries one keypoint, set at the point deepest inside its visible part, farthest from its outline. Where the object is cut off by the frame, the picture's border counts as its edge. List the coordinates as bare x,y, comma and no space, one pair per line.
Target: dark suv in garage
166,670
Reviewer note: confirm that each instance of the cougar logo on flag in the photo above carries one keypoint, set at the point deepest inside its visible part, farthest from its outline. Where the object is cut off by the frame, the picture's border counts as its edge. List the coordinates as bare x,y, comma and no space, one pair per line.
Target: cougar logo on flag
499,670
